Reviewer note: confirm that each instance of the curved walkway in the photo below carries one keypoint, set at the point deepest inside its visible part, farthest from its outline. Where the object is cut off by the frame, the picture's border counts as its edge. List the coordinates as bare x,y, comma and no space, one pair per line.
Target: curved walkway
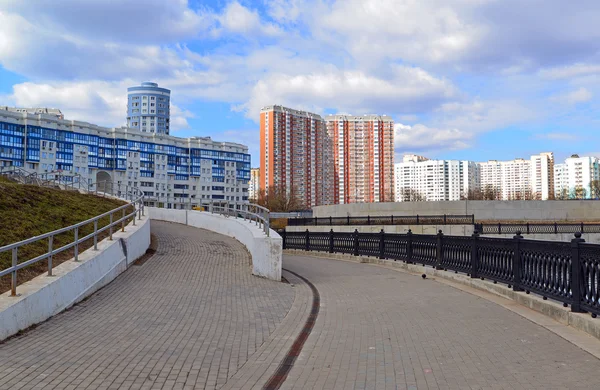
190,317
382,329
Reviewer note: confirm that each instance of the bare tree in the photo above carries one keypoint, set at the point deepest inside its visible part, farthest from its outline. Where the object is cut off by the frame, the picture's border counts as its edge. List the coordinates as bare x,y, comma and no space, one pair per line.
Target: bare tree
563,194
474,194
411,195
595,189
490,193
278,199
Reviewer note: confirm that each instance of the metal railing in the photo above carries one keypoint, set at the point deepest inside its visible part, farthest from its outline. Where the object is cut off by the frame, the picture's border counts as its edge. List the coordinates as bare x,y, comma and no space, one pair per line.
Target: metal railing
568,272
385,220
247,211
117,217
537,228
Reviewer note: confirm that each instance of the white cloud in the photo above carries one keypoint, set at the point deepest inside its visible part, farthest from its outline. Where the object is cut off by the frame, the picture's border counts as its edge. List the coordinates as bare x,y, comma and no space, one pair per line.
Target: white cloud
556,136
420,138
580,95
238,19
409,89
570,71
284,11
100,103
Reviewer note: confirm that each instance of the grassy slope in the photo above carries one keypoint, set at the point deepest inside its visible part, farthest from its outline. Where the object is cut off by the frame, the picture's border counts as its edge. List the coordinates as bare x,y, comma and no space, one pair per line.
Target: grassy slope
27,211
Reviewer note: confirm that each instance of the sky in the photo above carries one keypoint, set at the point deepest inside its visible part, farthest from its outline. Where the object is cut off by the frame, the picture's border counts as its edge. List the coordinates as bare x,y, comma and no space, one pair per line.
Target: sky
462,79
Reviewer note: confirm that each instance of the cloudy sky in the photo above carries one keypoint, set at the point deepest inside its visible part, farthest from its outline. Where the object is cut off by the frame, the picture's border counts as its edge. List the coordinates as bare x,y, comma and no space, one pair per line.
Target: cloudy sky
466,79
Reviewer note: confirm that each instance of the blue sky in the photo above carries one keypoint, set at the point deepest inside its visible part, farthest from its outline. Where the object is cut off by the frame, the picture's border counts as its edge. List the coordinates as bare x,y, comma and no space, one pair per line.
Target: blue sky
463,79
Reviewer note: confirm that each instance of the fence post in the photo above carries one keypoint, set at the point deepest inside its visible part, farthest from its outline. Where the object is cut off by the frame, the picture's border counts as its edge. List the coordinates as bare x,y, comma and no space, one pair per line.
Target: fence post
527,227
444,219
392,220
307,241
316,221
475,255
368,219
576,277
50,247
382,244
517,262
355,242
331,241
13,276
499,228
330,223
417,219
439,251
409,246
581,227
348,220
283,239
473,218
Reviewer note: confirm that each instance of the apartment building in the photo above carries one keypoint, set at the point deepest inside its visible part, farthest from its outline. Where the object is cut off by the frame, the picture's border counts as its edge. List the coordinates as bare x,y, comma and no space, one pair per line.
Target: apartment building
573,178
173,172
542,175
418,178
254,185
148,108
363,153
296,155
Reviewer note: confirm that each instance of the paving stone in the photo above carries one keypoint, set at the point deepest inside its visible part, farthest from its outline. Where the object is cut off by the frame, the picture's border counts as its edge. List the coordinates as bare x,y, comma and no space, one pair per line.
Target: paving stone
190,317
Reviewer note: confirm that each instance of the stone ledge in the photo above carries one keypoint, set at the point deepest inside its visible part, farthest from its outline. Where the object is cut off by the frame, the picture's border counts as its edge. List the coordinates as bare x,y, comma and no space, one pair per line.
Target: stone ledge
580,321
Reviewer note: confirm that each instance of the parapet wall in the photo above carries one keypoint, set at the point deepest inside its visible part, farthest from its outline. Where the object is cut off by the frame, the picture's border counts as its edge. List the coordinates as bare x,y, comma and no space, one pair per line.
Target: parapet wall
46,296
484,210
266,251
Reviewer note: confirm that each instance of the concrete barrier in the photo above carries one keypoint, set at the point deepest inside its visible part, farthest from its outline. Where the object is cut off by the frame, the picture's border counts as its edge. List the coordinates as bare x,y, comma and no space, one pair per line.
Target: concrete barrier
46,296
265,251
484,210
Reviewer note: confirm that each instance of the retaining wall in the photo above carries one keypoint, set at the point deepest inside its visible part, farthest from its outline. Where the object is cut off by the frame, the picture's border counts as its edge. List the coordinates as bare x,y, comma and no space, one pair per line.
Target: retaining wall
532,210
452,230
46,296
265,251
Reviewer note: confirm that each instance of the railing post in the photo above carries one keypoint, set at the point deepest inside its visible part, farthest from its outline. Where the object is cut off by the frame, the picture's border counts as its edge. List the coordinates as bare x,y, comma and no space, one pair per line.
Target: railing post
473,218
527,227
123,221
330,222
76,250
444,219
439,251
382,244
409,246
392,219
96,235
499,228
555,228
576,276
307,241
50,247
355,242
581,227
475,255
283,243
316,221
368,219
110,226
517,262
331,240
13,278
348,220
417,219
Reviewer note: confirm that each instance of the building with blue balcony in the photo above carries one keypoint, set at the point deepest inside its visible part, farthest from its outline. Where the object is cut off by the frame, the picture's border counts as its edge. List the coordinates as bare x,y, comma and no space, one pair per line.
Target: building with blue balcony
173,172
148,108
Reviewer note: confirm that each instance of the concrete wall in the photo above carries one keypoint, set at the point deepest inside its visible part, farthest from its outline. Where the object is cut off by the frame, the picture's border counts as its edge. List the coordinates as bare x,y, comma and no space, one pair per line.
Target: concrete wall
45,296
592,238
453,230
265,251
551,210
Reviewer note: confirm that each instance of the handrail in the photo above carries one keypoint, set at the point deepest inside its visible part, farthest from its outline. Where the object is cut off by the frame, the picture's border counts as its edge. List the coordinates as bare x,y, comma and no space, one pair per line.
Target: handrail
133,195
248,211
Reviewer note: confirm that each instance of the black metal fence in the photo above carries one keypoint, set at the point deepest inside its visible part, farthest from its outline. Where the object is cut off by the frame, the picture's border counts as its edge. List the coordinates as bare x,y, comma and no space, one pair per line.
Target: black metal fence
385,220
537,228
568,272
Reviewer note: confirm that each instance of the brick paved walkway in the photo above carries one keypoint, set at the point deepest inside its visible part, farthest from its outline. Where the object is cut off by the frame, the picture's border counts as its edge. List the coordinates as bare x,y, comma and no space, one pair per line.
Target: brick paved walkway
190,317
383,329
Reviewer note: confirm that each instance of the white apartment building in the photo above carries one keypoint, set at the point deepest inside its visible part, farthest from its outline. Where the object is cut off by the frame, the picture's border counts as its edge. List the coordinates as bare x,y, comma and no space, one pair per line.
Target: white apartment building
434,180
573,178
254,184
542,175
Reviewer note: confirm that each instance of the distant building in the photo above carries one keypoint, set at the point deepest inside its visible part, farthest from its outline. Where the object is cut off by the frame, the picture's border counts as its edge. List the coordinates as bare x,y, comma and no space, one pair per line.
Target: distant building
417,178
46,111
296,155
254,185
148,108
363,158
573,179
542,175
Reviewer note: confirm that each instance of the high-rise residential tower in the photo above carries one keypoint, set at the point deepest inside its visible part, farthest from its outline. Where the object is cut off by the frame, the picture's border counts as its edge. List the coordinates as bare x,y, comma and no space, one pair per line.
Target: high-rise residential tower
296,155
363,158
148,108
573,179
254,185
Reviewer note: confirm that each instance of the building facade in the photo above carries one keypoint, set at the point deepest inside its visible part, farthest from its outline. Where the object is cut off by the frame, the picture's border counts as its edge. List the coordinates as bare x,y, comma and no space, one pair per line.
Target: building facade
296,155
417,178
148,108
363,158
254,185
574,179
173,172
542,176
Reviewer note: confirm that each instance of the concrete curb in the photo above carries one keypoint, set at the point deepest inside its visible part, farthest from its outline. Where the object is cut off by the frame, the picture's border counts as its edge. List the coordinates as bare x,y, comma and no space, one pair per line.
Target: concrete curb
580,321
